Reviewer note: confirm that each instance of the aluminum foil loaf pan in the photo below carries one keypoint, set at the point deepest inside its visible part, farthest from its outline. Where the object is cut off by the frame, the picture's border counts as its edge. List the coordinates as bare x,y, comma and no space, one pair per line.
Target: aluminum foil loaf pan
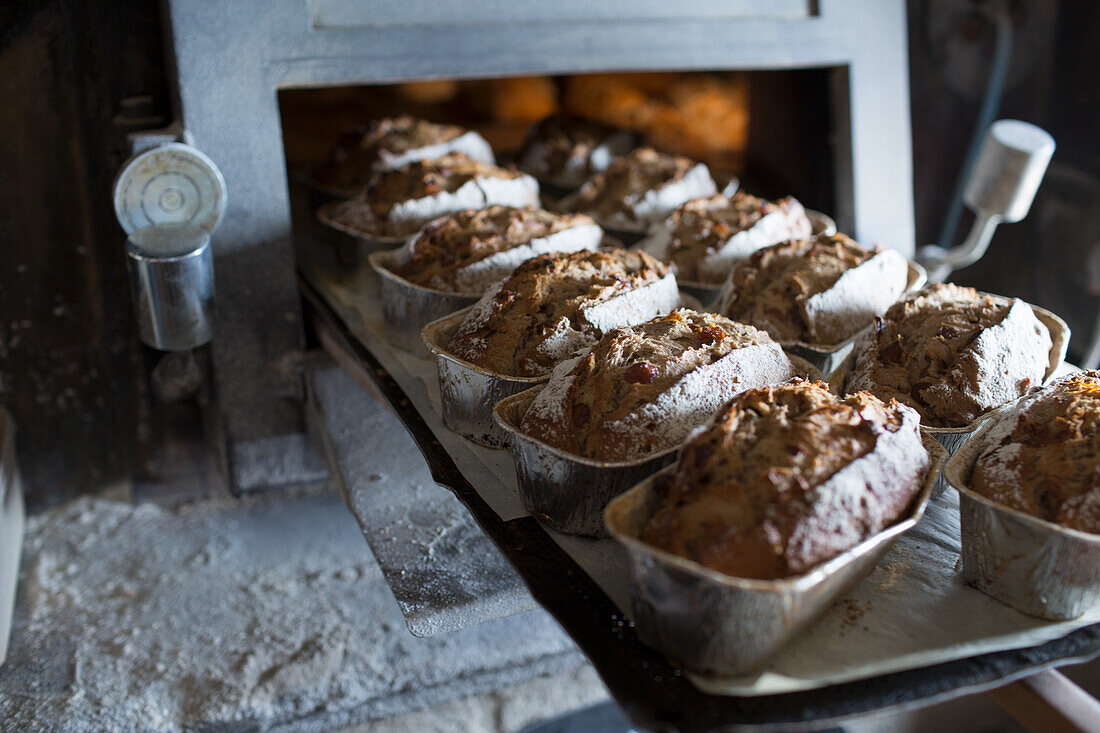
708,293
407,308
469,392
829,357
351,245
1033,565
570,492
953,438
716,624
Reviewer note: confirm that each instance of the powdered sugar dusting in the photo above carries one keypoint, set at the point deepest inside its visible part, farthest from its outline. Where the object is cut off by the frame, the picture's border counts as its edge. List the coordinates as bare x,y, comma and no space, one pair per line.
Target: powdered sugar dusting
477,276
635,306
661,201
1014,350
694,398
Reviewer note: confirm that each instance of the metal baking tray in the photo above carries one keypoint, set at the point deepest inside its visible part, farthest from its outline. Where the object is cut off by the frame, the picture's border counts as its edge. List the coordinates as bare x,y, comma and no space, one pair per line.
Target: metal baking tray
11,527
651,691
714,623
1033,565
570,492
953,438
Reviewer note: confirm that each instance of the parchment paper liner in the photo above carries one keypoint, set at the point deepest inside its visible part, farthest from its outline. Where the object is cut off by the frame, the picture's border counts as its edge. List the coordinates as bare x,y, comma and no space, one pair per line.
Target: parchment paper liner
952,438
713,623
1033,565
567,491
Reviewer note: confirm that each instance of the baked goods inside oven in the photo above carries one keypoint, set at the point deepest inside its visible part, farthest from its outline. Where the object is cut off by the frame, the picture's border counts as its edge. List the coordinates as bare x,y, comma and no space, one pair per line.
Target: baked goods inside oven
703,239
554,305
786,477
640,188
1043,457
952,354
398,202
643,388
468,251
391,142
817,291
567,150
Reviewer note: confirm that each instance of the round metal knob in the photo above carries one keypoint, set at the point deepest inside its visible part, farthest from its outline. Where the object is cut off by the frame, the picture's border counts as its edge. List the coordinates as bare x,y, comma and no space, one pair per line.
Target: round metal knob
1009,169
172,279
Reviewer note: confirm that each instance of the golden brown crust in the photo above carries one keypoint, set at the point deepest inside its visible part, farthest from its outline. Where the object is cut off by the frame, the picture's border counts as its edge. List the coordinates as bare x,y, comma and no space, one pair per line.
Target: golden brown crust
629,368
355,157
772,287
615,192
541,296
1049,464
747,494
952,354
447,245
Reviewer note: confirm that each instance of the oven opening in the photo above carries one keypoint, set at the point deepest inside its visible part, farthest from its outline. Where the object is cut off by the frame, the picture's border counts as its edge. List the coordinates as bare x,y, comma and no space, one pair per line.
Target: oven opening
782,133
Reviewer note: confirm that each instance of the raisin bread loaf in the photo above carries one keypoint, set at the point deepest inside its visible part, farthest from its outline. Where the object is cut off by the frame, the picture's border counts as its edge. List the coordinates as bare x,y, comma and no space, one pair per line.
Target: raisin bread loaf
468,251
643,388
640,188
555,305
391,142
818,291
952,354
398,202
703,239
786,477
1043,457
568,150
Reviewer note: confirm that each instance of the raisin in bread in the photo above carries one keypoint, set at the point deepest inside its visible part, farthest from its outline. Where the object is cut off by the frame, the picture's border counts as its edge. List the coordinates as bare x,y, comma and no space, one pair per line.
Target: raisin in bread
787,477
643,388
818,291
640,188
703,239
468,251
1043,458
555,305
952,353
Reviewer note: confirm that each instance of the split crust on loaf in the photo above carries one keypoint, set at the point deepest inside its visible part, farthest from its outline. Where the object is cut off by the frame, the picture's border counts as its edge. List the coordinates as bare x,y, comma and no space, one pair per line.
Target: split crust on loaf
640,188
555,305
470,250
818,291
388,143
398,202
952,353
787,477
1043,456
643,388
704,238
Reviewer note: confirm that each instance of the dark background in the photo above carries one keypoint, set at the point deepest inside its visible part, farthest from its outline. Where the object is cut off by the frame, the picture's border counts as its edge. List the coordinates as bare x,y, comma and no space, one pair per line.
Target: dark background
77,76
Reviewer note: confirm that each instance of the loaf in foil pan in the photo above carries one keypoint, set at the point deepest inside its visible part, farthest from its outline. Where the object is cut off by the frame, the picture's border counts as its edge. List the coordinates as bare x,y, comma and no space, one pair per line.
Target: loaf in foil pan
713,623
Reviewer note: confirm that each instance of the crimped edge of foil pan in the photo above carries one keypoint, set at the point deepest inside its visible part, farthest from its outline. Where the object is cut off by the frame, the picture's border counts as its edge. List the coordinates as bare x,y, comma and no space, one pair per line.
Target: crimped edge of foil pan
986,561
407,308
472,416
778,610
953,438
576,506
